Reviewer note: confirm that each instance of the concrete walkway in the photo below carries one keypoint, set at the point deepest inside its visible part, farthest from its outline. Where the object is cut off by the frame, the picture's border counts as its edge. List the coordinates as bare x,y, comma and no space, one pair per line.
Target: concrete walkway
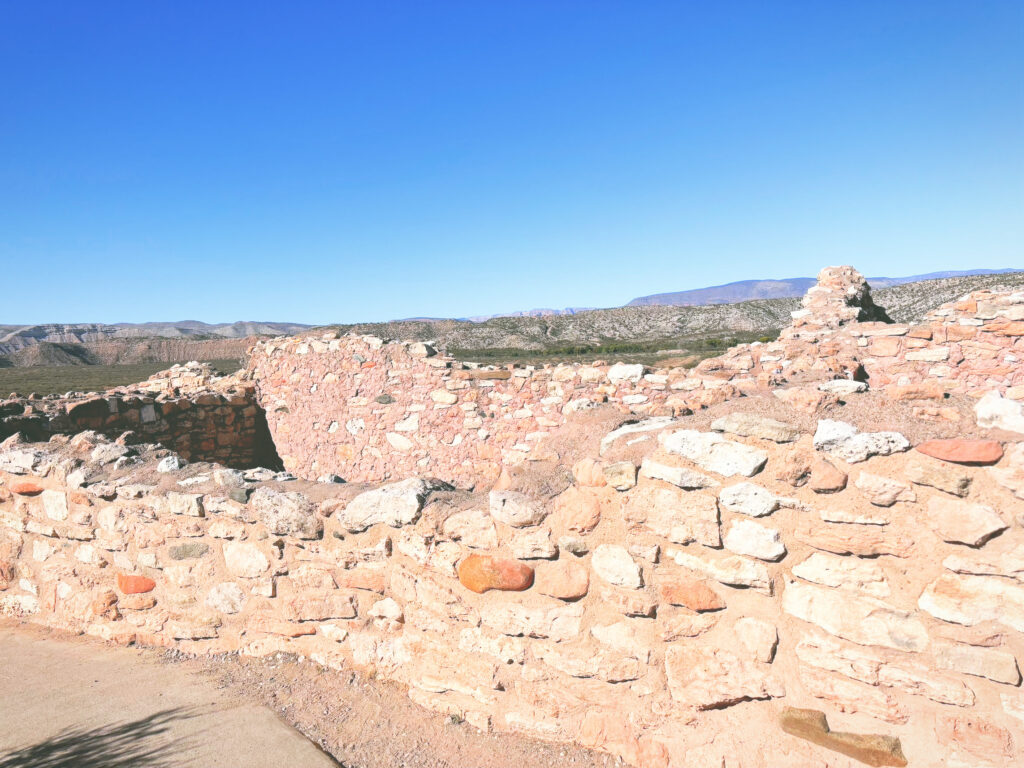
75,702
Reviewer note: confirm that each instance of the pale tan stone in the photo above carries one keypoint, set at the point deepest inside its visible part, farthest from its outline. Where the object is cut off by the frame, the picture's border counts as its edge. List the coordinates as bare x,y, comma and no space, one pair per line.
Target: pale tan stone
679,516
863,620
980,662
614,565
844,572
960,522
969,600
733,570
884,491
710,678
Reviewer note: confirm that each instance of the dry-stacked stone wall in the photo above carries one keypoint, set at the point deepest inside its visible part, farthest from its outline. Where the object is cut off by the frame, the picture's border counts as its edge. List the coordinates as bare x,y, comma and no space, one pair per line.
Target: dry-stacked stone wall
972,346
187,409
370,410
745,595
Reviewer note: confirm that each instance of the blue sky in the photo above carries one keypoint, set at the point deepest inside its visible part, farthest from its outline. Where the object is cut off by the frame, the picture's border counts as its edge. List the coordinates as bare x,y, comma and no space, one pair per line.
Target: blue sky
344,161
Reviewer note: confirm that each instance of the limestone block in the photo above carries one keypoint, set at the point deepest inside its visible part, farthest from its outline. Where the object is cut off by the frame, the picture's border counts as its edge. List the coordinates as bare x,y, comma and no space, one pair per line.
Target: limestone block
863,620
745,537
748,499
396,505
752,425
710,678
846,442
245,560
960,522
844,572
516,509
614,565
287,514
679,516
714,453
683,477
732,570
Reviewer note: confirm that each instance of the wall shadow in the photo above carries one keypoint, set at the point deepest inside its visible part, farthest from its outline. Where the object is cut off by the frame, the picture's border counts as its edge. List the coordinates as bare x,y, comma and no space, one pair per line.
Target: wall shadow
129,744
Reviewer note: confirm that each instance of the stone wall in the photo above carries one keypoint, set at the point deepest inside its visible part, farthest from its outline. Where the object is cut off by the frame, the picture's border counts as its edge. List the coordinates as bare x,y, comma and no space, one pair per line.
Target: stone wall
971,347
201,416
372,410
749,595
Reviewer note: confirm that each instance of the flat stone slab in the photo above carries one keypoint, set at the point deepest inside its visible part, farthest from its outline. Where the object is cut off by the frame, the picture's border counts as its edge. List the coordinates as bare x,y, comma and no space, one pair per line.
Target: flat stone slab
963,451
88,703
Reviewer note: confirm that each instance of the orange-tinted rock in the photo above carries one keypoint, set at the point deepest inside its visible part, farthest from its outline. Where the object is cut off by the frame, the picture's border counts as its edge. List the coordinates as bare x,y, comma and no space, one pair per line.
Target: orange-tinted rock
793,468
935,413
588,473
480,573
925,390
130,584
826,478
105,605
885,346
564,579
690,593
579,509
806,399
137,602
1015,328
371,579
25,487
963,451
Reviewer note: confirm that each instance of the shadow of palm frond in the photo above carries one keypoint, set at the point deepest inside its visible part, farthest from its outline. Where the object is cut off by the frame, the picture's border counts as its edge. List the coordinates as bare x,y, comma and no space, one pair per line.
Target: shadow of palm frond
130,744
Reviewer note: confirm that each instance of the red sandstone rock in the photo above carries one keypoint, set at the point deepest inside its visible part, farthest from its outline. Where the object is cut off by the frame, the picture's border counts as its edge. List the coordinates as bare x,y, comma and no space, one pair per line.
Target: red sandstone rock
925,390
578,509
25,487
133,585
690,593
1006,329
370,579
564,579
963,451
826,478
137,602
806,399
960,332
588,473
933,413
480,573
885,346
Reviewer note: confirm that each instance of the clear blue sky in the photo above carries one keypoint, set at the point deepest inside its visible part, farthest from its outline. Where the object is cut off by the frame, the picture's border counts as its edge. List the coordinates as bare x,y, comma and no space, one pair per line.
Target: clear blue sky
345,161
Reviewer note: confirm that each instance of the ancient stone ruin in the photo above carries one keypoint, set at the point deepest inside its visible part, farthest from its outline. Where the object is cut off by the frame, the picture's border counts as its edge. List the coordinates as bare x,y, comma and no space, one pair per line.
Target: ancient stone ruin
808,552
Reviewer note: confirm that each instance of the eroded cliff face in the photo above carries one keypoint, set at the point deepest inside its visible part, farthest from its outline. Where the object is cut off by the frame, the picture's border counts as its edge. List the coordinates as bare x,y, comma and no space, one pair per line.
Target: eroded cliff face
761,562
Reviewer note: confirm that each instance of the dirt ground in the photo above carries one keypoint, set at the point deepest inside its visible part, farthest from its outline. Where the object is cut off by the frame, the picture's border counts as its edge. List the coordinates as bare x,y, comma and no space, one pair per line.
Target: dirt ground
365,723
359,721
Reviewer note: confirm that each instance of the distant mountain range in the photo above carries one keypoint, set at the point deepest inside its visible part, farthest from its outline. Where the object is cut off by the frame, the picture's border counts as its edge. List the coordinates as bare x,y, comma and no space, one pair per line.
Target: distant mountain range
100,343
13,337
647,326
789,288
